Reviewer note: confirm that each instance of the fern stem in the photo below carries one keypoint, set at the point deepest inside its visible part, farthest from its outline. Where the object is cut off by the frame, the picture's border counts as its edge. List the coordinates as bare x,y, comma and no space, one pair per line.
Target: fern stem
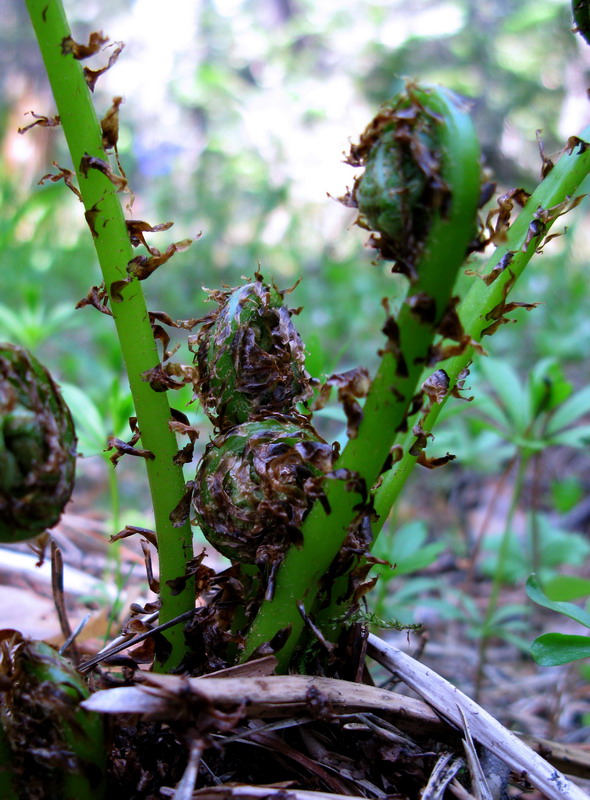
84,137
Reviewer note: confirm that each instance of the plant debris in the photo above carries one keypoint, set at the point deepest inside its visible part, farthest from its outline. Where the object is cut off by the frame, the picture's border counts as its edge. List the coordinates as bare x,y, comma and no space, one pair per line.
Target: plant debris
41,121
64,174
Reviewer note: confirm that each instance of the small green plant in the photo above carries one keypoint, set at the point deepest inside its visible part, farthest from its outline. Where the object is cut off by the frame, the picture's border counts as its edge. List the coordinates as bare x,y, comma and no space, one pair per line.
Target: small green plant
528,418
404,551
551,649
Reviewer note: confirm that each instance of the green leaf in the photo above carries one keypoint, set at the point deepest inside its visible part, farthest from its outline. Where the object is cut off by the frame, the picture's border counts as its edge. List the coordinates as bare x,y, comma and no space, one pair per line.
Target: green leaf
547,387
408,551
552,649
566,493
566,587
575,407
574,437
493,413
506,384
508,614
537,595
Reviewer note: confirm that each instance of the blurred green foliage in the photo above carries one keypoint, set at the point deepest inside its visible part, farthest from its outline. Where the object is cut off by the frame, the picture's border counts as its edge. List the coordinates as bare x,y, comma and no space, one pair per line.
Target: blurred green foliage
253,104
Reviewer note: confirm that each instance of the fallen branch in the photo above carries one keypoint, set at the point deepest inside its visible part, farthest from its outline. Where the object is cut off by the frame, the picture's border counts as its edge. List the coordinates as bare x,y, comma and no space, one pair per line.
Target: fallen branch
455,706
272,696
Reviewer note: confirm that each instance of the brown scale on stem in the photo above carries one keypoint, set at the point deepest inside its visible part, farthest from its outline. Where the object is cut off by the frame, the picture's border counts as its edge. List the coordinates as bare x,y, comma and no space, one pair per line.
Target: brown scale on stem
41,122
64,174
498,313
98,298
393,344
352,385
128,448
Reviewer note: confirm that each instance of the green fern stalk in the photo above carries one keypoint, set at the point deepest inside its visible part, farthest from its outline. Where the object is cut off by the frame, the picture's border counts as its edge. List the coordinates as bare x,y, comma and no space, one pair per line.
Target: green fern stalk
300,576
562,183
138,348
435,270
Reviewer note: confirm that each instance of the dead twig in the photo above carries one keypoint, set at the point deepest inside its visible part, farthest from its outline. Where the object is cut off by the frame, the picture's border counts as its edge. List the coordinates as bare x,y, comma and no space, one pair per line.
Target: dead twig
451,704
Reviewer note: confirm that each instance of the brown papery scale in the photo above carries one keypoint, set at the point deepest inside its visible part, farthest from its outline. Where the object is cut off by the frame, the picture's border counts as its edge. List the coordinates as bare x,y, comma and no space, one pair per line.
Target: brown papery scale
256,483
249,356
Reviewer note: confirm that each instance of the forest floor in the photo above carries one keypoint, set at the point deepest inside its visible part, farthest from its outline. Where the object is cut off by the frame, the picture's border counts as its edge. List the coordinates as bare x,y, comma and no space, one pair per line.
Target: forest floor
549,703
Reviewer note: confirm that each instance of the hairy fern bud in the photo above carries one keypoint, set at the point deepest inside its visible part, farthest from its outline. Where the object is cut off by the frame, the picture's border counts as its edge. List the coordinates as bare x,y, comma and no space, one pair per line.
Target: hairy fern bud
250,357
37,447
411,156
255,484
55,748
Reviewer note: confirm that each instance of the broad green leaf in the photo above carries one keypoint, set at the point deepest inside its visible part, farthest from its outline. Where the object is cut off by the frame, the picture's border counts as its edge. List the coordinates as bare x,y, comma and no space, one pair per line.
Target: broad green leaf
90,427
537,595
552,649
407,549
566,587
414,588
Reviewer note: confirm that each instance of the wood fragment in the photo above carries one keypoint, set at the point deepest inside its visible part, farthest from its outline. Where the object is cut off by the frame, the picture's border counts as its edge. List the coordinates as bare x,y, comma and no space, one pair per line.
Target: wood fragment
449,701
245,792
445,769
272,696
479,781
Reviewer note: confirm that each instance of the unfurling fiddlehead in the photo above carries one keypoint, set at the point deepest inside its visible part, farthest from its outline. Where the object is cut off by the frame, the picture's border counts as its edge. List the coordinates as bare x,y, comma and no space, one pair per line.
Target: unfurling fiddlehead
37,447
257,479
402,187
255,485
250,357
50,746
